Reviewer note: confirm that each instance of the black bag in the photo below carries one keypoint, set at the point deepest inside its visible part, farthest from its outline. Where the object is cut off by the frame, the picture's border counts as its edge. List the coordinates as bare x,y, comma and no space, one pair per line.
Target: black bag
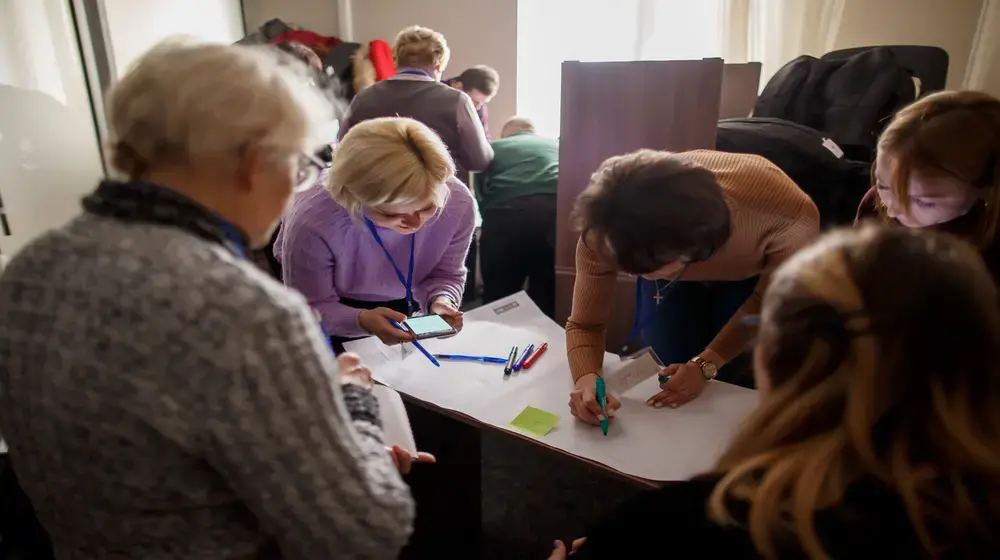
849,100
809,158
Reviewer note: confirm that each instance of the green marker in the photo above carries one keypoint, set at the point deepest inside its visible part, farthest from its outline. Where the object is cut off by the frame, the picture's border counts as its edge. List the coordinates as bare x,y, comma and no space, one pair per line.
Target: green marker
602,400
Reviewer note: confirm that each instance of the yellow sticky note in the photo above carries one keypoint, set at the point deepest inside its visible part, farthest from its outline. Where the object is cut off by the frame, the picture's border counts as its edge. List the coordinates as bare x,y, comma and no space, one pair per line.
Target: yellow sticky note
535,421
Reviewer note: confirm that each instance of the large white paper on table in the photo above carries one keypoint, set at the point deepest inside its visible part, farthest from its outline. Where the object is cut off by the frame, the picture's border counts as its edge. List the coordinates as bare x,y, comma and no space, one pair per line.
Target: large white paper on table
657,444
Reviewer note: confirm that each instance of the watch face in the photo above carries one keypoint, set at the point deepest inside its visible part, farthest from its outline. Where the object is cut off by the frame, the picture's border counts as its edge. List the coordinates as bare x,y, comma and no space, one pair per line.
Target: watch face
709,370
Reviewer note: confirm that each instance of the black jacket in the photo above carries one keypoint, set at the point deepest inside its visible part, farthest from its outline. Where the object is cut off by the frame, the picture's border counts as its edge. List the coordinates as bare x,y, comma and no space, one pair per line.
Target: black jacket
672,523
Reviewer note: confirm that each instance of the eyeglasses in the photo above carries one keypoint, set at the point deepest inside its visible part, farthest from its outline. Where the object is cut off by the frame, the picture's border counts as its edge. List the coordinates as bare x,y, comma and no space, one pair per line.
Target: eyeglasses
308,171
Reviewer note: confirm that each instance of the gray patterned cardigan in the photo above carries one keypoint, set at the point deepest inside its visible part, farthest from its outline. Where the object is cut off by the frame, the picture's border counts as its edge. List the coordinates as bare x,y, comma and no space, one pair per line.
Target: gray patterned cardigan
164,399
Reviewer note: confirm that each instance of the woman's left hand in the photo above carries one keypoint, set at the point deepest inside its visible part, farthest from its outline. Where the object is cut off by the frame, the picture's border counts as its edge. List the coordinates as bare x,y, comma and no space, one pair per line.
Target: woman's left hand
404,460
444,307
685,384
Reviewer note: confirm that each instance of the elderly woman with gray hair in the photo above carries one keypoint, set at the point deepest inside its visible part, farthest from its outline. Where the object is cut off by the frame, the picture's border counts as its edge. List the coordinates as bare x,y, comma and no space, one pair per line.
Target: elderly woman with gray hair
161,396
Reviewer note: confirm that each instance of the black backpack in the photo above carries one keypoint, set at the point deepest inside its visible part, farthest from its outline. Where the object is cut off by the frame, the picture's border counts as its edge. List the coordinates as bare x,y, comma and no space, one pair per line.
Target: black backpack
849,100
816,163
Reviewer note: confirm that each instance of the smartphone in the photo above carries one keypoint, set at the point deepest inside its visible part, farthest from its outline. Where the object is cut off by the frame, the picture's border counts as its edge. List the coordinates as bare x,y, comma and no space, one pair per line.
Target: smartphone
428,326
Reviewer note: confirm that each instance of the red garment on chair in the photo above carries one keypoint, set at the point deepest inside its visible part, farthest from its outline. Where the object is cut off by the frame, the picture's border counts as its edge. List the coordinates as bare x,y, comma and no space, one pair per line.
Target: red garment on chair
319,43
380,53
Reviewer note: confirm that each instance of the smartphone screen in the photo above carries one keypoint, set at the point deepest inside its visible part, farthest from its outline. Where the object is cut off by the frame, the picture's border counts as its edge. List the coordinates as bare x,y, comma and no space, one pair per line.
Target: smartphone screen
428,326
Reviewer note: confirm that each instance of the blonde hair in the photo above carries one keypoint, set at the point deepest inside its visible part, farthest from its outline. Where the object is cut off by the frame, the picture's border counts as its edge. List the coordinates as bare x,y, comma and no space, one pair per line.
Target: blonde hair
420,47
185,101
873,380
951,133
390,160
516,125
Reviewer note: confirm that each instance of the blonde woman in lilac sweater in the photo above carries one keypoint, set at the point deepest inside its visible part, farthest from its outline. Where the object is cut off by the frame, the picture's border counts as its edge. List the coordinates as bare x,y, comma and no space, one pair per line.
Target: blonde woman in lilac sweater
386,238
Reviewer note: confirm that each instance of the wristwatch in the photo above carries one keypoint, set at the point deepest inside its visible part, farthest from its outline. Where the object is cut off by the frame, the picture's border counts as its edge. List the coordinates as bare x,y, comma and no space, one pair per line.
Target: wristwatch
708,369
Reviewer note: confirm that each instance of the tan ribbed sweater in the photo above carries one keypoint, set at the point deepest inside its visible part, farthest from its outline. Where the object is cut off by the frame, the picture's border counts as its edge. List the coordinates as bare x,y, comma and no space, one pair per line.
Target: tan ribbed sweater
771,219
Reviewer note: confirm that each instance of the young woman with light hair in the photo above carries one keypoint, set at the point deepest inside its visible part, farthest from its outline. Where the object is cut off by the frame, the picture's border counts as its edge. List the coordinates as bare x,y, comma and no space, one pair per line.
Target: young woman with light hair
878,362
938,167
388,236
161,396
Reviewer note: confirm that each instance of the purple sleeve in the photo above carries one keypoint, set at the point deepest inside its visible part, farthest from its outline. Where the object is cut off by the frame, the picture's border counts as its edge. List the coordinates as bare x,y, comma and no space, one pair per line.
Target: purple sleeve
484,117
475,152
448,277
868,208
307,265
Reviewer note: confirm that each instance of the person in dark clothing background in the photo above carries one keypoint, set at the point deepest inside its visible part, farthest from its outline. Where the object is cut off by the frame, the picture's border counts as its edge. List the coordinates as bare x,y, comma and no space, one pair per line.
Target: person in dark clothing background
481,83
517,197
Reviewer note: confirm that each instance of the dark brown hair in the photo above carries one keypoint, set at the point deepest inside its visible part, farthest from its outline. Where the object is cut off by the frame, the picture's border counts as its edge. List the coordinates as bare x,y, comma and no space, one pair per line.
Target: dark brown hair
649,209
482,78
881,349
953,133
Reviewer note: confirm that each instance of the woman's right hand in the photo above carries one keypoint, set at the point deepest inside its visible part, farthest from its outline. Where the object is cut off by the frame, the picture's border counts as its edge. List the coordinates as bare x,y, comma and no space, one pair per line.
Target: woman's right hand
378,322
583,401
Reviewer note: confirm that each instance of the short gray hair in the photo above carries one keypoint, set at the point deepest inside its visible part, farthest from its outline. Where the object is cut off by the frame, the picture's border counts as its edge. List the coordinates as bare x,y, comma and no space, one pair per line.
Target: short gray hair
186,101
516,125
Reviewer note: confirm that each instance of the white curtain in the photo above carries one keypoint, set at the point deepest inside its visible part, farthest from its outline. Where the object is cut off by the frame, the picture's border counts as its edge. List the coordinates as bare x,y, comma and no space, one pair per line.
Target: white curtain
983,72
778,31
552,31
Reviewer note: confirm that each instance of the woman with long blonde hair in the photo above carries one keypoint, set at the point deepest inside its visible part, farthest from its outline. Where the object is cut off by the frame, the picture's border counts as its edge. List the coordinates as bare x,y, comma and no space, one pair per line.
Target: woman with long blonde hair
878,434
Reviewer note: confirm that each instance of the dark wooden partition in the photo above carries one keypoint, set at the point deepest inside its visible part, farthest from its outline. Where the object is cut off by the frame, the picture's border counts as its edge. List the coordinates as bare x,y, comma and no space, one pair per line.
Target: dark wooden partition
740,85
612,108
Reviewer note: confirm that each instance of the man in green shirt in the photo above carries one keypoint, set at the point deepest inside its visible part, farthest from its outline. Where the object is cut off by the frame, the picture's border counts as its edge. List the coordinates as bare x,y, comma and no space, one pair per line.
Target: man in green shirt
517,198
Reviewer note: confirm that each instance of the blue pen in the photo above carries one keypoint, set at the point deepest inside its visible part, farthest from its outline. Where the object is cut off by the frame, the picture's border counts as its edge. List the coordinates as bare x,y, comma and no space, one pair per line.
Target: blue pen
463,358
524,357
417,345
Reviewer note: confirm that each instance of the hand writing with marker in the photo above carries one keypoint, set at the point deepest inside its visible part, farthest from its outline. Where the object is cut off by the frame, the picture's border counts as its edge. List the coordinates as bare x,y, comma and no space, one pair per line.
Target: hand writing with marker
583,401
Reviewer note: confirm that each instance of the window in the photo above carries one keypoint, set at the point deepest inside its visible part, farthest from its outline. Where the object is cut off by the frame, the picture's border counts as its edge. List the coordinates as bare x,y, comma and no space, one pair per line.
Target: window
552,31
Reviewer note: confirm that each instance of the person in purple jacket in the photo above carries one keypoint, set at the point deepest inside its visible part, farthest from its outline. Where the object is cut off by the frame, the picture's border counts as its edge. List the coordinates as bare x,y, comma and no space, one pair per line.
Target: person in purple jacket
386,238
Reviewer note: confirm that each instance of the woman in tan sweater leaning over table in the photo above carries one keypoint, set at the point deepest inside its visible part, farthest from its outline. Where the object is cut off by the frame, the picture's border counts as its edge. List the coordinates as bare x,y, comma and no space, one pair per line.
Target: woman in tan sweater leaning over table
702,230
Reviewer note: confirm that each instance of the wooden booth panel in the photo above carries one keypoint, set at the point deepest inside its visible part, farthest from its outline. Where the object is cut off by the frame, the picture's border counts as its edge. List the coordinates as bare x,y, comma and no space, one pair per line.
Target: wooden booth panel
612,108
740,84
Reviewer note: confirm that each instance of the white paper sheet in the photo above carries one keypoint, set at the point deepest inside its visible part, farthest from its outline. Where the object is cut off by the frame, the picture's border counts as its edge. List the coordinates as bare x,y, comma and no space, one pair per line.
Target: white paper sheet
656,444
396,427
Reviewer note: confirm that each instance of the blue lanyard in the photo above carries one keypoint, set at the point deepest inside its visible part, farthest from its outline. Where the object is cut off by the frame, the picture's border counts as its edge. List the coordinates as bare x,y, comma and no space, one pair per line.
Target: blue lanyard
235,238
640,323
407,282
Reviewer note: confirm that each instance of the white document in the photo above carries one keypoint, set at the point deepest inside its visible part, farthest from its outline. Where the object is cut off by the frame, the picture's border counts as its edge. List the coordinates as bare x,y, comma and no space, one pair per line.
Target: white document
632,372
657,444
396,429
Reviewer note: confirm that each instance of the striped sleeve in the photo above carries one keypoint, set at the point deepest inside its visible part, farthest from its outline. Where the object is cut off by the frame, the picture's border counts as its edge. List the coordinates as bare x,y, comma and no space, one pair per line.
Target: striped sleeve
307,459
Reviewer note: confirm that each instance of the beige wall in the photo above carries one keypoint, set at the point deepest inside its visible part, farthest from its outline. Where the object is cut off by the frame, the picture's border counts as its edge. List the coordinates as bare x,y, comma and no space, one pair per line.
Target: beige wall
319,16
949,24
134,27
478,32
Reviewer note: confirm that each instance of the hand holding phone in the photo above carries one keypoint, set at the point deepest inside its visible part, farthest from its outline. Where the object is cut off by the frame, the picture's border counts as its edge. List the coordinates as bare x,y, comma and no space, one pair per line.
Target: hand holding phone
429,326
448,310
379,323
